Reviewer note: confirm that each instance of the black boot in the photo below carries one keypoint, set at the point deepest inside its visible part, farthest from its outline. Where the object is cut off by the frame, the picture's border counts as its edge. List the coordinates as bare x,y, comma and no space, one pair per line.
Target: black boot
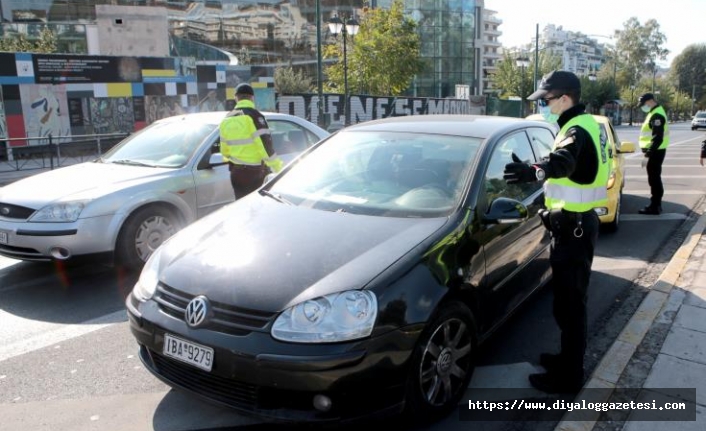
556,383
651,210
550,361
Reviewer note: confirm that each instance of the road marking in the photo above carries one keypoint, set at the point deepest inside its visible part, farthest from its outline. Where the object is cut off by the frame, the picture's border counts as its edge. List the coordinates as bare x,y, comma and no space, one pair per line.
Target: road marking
647,217
666,193
7,262
610,263
65,332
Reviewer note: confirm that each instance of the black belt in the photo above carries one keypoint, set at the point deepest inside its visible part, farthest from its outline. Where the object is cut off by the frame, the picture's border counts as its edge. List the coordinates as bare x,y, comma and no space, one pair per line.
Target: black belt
251,167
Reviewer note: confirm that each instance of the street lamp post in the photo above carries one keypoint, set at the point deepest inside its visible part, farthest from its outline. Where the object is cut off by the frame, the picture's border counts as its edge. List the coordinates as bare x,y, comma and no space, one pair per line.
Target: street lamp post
522,62
349,27
632,98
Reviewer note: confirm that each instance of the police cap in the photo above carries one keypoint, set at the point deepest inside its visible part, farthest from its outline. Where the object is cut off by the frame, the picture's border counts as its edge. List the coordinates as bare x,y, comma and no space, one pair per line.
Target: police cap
244,89
557,81
644,98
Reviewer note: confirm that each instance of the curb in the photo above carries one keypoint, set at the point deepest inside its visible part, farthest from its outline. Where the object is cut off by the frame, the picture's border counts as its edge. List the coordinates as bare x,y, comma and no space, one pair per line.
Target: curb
616,359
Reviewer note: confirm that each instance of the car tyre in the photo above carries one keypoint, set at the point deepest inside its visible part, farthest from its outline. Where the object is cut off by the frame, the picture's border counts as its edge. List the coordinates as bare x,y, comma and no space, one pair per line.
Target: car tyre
143,232
613,226
441,365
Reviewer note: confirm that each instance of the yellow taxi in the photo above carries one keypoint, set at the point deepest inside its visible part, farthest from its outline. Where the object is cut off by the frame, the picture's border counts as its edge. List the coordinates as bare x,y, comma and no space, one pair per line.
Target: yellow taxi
610,214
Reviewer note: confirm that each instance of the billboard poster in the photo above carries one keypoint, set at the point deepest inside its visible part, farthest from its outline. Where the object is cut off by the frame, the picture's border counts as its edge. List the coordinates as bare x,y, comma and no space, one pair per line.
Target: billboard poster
46,113
111,115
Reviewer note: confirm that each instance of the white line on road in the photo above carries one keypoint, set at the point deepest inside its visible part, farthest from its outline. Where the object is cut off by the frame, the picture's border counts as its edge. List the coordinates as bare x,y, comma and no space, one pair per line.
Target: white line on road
666,192
66,332
646,217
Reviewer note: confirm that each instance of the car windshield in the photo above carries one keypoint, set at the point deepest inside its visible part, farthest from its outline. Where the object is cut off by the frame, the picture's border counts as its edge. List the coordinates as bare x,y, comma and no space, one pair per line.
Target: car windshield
163,144
701,115
393,174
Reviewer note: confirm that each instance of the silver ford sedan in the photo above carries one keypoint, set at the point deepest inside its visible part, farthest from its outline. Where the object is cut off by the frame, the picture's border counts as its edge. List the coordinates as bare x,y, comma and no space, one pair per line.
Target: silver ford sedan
126,203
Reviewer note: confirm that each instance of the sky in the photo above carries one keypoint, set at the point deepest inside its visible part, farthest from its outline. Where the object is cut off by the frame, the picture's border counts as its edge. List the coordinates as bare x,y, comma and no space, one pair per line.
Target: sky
683,22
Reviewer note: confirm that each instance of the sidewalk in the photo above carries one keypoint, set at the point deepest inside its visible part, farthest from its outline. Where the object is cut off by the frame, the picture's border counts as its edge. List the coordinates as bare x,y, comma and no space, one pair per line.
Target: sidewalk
661,348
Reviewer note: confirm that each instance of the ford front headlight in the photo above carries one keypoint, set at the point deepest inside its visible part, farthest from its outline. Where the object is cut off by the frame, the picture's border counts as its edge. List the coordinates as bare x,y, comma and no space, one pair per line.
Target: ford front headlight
332,318
61,212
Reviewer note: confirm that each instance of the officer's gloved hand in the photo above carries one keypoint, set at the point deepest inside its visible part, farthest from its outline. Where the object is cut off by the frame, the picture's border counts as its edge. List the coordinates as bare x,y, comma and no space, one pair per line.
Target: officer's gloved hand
519,172
648,153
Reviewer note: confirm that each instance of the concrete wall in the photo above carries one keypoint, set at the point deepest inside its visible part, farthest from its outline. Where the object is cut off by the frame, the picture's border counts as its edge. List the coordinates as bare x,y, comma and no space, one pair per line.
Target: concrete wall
133,31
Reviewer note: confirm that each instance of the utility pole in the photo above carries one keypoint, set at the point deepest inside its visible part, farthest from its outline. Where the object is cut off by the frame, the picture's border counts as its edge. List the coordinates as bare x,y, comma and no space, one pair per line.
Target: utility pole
319,67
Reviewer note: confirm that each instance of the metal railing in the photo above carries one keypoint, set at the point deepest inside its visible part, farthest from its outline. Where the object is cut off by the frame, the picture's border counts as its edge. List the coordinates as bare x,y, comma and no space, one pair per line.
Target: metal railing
44,152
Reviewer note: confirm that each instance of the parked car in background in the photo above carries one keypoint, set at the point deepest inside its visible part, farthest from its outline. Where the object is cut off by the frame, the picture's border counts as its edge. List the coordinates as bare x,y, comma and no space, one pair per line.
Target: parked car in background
358,281
699,120
610,214
127,202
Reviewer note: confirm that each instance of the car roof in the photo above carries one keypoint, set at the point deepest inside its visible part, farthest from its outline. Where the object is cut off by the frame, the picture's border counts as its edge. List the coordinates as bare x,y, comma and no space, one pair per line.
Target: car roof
217,116
476,126
600,118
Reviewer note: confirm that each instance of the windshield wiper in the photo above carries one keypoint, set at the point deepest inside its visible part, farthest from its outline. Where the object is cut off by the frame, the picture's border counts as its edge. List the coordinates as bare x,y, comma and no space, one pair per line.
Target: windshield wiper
275,196
132,163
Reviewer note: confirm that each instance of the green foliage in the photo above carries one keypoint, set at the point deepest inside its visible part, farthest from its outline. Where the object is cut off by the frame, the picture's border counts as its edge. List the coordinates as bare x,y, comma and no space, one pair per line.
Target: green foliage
510,79
638,49
383,57
289,81
688,72
45,44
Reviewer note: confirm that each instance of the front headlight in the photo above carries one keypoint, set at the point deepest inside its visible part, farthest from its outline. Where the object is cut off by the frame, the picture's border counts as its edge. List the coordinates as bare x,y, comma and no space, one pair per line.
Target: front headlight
332,318
149,277
59,212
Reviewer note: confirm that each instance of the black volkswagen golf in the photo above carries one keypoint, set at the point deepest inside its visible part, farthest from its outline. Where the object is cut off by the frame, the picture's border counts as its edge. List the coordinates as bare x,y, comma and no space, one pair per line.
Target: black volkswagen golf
357,282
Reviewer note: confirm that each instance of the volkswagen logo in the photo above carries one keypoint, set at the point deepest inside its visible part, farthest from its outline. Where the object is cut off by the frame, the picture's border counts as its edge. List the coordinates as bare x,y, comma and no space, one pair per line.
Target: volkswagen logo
196,311
5,210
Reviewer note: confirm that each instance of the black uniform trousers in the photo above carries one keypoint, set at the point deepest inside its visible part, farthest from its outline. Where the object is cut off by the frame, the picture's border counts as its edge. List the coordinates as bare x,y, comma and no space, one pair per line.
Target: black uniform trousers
571,259
654,177
246,179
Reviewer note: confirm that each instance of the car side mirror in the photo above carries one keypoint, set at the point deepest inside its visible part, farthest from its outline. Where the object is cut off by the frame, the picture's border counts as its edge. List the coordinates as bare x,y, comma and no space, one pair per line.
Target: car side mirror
216,160
626,147
506,211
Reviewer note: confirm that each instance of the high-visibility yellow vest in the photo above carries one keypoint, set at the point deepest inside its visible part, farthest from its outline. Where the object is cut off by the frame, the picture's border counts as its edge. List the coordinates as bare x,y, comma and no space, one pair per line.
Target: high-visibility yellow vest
572,196
240,140
646,133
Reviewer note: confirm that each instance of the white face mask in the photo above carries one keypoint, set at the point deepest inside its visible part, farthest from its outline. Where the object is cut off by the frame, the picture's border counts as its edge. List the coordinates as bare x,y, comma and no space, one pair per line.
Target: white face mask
645,108
547,114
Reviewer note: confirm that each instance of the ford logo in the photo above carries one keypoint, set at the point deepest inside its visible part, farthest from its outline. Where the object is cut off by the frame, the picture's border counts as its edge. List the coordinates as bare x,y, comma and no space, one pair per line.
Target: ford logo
5,210
196,311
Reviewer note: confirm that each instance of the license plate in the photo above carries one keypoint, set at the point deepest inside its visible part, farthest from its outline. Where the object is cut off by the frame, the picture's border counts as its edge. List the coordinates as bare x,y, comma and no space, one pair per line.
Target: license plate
188,352
3,237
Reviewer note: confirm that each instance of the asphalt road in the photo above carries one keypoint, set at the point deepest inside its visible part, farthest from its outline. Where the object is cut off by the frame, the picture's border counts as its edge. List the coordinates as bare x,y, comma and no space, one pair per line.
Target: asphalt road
68,361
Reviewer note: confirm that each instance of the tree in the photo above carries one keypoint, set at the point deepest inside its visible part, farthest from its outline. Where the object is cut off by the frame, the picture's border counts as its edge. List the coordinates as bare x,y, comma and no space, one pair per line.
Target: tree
45,44
508,78
638,49
289,81
689,71
383,57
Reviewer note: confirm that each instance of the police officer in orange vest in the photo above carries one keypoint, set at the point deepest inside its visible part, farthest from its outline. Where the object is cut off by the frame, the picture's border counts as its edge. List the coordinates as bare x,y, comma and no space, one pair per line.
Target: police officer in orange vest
247,145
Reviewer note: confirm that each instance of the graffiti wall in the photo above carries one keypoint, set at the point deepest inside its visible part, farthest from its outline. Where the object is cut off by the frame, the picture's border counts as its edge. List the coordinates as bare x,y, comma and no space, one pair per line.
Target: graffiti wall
67,96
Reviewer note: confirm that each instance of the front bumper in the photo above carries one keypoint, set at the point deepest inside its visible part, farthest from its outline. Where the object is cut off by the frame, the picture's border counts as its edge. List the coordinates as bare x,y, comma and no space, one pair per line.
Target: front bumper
258,375
34,241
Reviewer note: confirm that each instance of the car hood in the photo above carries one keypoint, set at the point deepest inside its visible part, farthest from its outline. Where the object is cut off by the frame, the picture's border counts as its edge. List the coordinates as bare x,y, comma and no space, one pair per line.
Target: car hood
264,255
82,181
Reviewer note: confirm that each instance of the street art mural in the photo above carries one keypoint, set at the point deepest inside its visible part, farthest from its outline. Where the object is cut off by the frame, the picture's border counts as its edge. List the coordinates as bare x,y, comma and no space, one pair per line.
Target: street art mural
61,96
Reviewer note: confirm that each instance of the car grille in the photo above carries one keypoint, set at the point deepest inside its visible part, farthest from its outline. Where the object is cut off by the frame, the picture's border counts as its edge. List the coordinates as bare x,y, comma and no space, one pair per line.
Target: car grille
10,211
212,386
226,318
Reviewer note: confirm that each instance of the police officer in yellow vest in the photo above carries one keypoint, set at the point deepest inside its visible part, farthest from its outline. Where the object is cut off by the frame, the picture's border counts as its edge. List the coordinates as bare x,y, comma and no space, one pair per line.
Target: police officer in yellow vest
246,143
576,174
654,140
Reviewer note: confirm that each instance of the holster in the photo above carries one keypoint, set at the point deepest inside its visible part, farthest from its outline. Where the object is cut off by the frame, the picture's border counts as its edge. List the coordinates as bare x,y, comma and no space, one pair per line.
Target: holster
560,223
